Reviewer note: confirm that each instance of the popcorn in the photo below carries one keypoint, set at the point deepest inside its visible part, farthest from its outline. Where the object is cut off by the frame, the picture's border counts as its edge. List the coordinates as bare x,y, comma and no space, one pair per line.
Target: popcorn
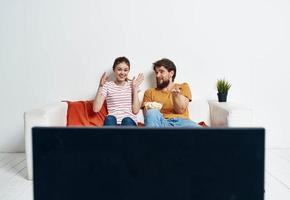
153,105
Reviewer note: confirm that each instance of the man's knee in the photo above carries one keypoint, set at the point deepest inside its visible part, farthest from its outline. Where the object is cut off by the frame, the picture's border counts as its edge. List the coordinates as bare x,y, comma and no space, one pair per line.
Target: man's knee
152,113
153,118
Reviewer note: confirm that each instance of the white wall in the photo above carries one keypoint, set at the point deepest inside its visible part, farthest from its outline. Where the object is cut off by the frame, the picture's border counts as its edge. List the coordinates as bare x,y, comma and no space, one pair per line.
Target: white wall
56,50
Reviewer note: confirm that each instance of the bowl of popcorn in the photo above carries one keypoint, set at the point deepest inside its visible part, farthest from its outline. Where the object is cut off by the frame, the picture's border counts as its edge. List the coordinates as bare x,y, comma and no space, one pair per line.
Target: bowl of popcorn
153,105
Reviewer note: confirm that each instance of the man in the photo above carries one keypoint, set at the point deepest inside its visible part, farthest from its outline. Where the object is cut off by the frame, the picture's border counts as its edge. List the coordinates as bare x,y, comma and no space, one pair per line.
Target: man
173,97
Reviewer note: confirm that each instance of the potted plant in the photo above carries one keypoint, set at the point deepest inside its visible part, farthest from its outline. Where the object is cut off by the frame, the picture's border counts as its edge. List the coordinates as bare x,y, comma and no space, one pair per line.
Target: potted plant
223,87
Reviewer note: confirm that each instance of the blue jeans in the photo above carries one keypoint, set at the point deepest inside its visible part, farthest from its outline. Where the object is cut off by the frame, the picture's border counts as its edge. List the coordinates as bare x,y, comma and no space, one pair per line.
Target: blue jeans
111,120
154,118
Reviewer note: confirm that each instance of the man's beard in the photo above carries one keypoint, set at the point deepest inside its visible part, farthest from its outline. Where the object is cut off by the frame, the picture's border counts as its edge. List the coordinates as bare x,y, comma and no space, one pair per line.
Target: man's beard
162,85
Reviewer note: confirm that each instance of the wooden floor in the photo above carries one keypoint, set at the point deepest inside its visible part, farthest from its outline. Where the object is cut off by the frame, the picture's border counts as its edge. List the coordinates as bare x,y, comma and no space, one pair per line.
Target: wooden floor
15,186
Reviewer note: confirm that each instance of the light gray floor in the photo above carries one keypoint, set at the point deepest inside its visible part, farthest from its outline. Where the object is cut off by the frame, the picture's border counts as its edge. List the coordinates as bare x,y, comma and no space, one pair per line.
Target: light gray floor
15,186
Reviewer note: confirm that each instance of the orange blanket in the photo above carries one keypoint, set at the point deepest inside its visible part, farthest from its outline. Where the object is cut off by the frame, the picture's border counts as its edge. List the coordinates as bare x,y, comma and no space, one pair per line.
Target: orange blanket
80,113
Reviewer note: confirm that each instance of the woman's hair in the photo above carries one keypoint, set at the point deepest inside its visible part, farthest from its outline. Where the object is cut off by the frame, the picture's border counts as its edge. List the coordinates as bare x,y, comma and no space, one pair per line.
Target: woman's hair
168,64
121,60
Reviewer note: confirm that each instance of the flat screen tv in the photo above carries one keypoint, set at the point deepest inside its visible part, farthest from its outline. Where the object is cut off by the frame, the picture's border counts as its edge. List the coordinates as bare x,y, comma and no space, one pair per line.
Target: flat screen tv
148,163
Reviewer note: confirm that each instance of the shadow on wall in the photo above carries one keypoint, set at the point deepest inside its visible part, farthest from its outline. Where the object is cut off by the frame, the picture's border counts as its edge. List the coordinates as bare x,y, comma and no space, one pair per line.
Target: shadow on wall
151,79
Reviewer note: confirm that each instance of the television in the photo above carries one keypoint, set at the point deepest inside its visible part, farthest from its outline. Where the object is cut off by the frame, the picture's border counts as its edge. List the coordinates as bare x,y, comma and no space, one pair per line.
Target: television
120,163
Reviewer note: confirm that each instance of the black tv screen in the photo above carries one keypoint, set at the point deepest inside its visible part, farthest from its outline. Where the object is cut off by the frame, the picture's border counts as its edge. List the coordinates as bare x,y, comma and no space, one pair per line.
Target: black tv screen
148,164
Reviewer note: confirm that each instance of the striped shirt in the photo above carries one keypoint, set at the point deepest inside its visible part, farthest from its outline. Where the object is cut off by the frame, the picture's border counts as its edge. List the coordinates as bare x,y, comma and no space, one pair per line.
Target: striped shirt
119,100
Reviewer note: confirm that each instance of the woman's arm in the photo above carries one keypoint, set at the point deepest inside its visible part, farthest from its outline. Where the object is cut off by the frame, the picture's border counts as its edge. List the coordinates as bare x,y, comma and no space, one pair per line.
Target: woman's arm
135,99
99,99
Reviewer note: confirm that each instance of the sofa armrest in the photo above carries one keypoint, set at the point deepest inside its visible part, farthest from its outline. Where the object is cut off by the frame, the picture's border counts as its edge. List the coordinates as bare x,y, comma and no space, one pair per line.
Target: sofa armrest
228,114
50,115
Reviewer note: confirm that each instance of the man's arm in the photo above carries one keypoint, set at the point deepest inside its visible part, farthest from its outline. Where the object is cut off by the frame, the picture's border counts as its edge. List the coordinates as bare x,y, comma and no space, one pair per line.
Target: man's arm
180,102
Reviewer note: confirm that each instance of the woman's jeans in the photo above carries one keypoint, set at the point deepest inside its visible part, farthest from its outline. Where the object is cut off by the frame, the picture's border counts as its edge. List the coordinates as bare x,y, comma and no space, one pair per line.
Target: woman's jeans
111,120
154,118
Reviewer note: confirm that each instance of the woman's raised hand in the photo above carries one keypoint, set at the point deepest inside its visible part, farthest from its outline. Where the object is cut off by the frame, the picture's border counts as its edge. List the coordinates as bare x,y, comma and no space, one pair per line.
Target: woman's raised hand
136,82
103,80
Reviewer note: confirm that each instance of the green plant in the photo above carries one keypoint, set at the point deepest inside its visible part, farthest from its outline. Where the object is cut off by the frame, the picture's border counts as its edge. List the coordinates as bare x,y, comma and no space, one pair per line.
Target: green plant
223,86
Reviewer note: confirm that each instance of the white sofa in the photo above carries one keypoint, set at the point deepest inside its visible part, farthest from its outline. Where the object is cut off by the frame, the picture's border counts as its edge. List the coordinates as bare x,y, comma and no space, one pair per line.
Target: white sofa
212,113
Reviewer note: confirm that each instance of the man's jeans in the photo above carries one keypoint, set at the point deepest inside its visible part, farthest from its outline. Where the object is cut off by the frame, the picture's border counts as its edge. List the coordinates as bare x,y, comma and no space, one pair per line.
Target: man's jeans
111,120
154,118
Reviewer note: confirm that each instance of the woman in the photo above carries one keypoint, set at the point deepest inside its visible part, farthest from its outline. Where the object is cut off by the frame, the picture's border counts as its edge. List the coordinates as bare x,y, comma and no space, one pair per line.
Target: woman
121,95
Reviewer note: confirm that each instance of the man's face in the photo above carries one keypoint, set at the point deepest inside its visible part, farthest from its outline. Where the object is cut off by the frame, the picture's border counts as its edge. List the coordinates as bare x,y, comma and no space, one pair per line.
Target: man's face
163,77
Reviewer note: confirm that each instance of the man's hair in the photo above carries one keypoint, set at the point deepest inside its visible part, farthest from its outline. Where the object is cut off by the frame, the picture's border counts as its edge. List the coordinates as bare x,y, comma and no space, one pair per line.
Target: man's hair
121,60
168,64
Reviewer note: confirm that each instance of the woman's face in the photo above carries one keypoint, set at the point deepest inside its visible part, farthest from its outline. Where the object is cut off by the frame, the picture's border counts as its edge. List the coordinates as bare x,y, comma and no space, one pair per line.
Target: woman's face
121,72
